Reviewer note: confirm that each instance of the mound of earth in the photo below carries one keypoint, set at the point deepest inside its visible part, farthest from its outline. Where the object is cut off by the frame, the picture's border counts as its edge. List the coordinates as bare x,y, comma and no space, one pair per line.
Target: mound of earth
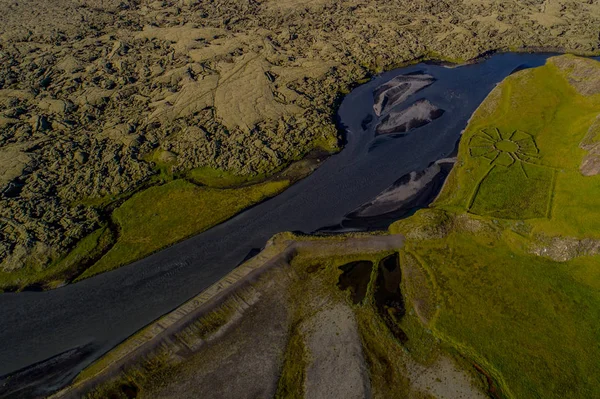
421,113
397,90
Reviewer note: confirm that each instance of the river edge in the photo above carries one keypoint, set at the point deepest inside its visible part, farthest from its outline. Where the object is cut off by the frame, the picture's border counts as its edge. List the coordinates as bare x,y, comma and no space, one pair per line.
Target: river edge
273,254
278,253
285,254
311,161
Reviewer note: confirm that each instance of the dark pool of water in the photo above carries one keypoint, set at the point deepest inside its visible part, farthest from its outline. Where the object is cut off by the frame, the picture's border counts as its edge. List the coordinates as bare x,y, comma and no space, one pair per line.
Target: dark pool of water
355,277
388,295
104,310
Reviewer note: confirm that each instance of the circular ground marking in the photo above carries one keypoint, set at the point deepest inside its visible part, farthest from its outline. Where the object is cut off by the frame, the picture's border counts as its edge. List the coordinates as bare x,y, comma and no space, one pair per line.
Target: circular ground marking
503,148
506,146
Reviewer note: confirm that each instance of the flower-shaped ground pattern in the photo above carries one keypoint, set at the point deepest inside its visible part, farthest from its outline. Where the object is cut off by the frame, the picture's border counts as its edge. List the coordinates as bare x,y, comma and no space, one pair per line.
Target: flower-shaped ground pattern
513,184
503,148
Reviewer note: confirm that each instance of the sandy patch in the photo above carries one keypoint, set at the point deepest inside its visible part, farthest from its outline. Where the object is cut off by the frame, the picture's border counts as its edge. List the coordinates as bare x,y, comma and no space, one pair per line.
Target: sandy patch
337,366
421,113
245,96
443,380
397,90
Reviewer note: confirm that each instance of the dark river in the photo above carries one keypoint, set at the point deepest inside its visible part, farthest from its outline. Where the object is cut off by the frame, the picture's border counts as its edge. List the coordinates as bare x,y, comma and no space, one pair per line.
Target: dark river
84,320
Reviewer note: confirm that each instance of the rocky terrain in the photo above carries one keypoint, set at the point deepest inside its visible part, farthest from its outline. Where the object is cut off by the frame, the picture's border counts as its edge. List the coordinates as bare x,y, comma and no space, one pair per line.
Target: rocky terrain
93,93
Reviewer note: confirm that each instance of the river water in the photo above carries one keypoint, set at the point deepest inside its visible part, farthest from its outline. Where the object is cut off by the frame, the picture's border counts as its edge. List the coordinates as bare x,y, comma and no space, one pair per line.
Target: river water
84,320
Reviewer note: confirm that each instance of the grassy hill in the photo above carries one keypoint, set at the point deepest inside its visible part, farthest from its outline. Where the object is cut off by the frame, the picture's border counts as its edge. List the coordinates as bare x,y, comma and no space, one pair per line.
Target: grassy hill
511,242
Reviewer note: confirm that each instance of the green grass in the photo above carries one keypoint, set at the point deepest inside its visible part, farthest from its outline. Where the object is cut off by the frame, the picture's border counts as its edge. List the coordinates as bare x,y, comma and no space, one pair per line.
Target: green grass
510,194
291,380
530,322
296,170
541,103
163,215
217,178
163,164
89,248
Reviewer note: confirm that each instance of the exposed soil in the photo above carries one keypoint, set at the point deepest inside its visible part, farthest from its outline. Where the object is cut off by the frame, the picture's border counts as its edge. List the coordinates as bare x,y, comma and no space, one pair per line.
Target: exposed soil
493,390
590,166
337,366
444,380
